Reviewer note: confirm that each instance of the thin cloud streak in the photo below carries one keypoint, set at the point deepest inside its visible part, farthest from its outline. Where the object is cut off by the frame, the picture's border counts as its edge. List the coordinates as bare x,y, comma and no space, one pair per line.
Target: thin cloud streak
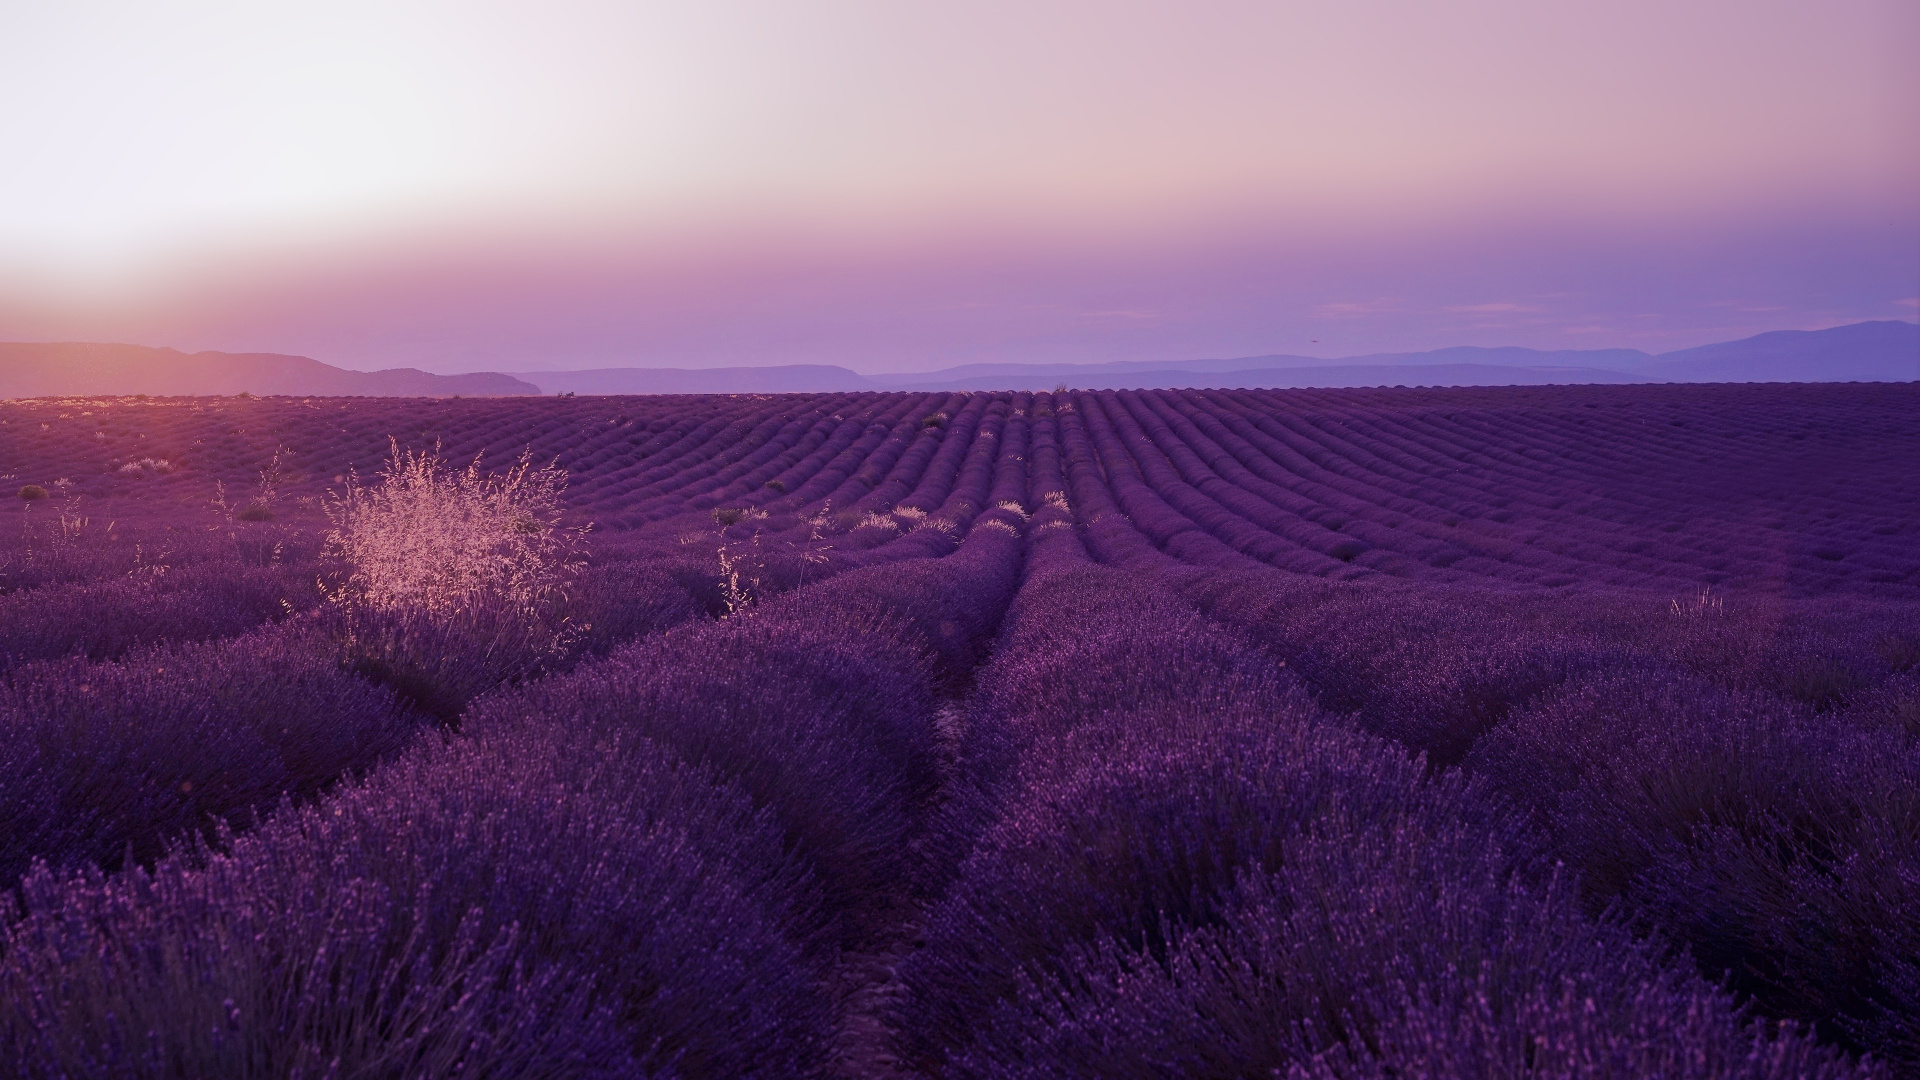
1492,309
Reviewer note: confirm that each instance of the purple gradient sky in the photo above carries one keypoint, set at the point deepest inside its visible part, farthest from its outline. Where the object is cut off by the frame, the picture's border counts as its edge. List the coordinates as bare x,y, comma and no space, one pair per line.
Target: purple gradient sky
902,186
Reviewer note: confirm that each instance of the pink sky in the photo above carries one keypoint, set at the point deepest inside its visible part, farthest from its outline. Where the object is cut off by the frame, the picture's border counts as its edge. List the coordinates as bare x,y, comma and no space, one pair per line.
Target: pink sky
900,186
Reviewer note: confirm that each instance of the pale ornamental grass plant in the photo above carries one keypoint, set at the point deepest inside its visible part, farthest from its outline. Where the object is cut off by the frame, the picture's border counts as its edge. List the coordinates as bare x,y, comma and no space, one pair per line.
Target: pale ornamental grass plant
455,580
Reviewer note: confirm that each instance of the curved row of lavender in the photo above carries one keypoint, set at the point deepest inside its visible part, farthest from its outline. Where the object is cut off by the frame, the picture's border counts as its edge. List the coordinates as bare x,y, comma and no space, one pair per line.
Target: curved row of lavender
1566,731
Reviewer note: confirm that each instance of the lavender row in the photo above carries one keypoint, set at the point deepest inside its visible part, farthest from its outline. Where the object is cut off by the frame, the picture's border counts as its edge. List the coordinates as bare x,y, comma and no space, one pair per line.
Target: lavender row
1310,479
110,761
1183,871
1554,487
646,867
1738,777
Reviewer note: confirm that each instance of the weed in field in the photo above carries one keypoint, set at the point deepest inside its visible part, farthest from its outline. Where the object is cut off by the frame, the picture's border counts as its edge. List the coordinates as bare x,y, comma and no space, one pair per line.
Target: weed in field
147,467
454,580
433,539
261,508
741,570
1702,605
1900,653
734,515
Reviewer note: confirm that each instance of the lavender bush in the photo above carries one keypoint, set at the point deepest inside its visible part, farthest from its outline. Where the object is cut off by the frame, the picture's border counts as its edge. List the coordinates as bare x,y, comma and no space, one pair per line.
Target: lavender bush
1735,823
106,761
1385,948
102,620
497,909
829,726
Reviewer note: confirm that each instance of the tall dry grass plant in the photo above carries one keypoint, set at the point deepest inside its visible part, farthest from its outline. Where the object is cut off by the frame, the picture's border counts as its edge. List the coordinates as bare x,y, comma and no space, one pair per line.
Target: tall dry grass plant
434,539
453,580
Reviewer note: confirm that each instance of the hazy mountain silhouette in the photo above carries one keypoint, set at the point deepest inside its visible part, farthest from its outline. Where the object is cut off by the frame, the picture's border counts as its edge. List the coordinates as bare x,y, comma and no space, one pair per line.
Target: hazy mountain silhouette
1326,375
69,368
783,379
1886,351
1511,356
821,378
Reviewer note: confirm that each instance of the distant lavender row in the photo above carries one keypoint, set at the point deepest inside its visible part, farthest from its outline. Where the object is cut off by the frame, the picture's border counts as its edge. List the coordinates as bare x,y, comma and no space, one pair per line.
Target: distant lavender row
1653,487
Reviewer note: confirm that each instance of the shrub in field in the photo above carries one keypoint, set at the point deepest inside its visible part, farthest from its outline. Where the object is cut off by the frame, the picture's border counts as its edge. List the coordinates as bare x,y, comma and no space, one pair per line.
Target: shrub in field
32,492
829,726
1782,848
107,760
614,603
1089,641
274,968
1367,956
518,908
1893,705
1433,671
1814,919
953,604
1405,949
431,538
1141,840
1083,645
455,581
101,620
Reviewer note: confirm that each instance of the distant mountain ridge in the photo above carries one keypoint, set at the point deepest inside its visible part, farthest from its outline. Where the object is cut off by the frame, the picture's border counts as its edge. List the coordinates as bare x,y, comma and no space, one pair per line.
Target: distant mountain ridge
1883,351
782,379
1506,356
1283,378
76,368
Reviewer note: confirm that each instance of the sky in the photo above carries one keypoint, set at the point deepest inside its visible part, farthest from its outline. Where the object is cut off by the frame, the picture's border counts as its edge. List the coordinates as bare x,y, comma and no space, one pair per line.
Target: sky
896,185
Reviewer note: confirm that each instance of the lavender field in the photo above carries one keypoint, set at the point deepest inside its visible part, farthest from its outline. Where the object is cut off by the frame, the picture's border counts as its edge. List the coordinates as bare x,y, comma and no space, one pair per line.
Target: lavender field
1478,732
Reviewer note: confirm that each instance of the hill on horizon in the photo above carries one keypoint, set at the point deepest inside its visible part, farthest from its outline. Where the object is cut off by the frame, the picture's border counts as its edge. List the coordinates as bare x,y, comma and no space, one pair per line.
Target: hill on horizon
1879,351
49,369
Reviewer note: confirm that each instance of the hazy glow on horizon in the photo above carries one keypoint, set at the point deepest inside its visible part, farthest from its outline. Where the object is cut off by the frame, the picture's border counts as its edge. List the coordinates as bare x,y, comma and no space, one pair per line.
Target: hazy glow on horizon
235,175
